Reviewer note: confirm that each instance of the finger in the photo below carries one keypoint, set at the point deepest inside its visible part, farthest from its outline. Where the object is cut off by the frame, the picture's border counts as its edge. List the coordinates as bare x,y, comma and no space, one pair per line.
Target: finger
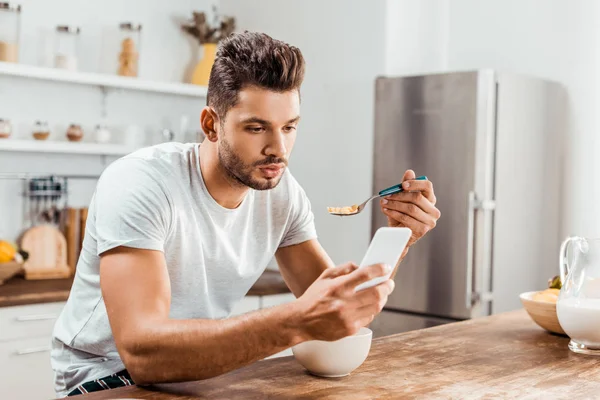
366,321
425,187
373,295
340,270
371,309
418,228
416,198
365,274
409,175
412,210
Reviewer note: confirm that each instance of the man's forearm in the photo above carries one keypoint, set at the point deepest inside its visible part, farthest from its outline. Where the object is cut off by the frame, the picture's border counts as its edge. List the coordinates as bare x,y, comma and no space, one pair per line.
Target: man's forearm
184,350
404,253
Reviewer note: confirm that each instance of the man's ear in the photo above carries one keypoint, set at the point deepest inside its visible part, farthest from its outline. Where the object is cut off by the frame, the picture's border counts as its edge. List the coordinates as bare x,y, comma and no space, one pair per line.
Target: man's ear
209,121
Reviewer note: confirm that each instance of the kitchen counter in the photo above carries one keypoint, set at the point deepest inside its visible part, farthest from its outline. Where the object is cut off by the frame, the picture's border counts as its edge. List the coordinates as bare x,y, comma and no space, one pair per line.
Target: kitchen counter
503,356
18,291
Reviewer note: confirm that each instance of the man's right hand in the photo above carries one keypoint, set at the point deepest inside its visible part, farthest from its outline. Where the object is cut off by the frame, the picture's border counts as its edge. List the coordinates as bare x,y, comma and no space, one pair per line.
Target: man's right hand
331,309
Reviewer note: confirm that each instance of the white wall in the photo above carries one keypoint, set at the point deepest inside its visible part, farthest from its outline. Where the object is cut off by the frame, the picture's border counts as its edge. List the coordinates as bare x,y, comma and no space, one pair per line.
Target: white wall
343,43
556,40
416,35
552,39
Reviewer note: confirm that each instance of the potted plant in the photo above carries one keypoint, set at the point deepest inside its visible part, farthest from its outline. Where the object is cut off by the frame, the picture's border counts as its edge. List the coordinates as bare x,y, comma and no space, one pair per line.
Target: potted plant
208,36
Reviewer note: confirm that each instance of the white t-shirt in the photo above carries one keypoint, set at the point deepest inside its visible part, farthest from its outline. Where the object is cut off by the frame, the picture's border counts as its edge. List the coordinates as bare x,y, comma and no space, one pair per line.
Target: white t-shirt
156,199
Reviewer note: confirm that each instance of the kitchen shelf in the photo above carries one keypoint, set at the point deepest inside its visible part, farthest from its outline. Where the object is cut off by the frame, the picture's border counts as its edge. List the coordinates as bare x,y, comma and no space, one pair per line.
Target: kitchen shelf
101,80
49,146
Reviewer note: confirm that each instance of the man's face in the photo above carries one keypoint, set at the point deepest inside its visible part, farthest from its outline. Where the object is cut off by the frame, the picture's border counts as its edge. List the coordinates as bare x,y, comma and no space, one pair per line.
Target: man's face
257,136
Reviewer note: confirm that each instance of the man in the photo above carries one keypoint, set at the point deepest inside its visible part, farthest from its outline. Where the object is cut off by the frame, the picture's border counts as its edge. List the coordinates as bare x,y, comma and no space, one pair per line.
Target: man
177,234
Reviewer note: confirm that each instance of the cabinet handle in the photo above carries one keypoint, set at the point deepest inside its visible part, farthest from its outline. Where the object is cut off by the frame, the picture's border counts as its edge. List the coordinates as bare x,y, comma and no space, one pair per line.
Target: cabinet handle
32,350
36,317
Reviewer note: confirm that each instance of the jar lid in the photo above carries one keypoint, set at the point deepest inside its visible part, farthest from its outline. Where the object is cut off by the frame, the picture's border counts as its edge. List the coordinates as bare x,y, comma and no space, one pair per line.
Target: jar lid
68,29
10,7
129,26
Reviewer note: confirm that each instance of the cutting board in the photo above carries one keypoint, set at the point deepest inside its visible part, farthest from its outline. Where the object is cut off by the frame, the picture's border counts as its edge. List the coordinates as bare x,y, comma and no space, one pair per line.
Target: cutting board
72,236
47,248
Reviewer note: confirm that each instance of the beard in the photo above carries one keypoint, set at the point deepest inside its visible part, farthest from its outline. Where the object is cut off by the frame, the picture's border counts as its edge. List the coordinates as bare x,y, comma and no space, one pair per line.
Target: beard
241,173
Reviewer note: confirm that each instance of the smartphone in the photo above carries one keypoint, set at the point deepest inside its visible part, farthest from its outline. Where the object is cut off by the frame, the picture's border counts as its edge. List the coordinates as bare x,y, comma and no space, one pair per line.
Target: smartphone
386,247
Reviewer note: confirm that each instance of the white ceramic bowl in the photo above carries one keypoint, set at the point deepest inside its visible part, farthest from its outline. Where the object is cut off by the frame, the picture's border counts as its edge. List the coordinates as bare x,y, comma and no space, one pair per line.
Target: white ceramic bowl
334,359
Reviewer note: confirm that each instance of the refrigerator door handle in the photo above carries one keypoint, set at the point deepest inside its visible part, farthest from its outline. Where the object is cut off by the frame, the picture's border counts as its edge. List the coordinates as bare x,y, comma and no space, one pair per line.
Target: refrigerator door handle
470,240
474,205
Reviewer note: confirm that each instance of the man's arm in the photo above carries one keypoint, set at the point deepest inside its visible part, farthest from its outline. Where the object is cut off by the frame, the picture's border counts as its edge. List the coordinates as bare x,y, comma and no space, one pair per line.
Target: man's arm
301,264
154,348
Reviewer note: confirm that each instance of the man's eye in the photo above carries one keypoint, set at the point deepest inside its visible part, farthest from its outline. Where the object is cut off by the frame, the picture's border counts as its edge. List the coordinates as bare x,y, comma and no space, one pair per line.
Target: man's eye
255,129
288,129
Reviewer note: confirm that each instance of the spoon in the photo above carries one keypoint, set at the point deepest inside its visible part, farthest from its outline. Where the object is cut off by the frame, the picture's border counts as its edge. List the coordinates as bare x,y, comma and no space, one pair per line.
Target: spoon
353,210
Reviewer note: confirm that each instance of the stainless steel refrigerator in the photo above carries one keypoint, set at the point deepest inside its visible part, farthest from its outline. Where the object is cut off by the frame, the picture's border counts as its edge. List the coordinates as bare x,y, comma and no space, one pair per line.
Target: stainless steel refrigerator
492,143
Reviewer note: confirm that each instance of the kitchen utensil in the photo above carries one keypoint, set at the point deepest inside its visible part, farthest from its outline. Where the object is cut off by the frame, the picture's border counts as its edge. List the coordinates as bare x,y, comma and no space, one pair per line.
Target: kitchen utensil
578,306
47,250
334,359
542,313
72,236
83,215
353,210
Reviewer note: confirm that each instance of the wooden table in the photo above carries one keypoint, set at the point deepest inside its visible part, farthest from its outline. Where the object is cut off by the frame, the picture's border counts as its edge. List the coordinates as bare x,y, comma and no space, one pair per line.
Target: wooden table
504,356
18,291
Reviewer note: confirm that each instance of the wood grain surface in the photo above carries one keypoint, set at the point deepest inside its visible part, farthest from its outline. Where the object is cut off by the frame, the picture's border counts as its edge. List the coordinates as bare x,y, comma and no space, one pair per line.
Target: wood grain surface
18,291
504,356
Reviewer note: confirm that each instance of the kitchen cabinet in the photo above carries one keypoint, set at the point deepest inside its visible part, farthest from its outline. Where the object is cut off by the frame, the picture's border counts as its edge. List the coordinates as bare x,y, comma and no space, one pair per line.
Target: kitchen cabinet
26,370
28,321
25,337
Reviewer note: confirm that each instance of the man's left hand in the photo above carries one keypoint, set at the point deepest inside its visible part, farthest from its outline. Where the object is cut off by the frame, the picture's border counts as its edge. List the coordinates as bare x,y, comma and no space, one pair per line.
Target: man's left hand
413,208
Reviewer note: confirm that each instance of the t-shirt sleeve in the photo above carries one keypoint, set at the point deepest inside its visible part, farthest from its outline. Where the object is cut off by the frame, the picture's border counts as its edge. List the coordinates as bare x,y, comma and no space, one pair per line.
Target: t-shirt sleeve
132,207
301,226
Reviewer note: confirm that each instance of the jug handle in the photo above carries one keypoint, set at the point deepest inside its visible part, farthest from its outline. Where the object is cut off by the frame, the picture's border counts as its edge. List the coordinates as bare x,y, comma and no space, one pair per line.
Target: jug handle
563,264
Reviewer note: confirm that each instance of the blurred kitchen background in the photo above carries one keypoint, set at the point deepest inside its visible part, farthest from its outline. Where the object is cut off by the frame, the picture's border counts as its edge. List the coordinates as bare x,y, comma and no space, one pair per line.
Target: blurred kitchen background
60,82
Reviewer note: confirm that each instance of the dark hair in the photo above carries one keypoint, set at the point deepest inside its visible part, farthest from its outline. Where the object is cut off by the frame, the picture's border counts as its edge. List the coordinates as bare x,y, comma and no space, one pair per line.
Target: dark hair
252,59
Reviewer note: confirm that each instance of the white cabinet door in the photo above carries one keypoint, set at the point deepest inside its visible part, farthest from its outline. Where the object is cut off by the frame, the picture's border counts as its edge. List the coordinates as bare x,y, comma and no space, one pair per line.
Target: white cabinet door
25,370
29,321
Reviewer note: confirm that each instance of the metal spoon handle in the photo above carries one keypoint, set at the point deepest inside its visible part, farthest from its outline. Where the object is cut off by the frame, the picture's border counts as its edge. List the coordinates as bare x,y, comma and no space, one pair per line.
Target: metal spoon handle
398,188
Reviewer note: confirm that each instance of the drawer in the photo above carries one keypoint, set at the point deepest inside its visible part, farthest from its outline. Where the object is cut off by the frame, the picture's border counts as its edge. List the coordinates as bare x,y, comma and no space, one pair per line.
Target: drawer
26,370
35,320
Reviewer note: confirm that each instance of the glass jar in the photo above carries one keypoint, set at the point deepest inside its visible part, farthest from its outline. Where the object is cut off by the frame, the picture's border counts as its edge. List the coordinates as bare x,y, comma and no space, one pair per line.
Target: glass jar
5,128
10,21
67,47
40,130
74,133
102,134
129,48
